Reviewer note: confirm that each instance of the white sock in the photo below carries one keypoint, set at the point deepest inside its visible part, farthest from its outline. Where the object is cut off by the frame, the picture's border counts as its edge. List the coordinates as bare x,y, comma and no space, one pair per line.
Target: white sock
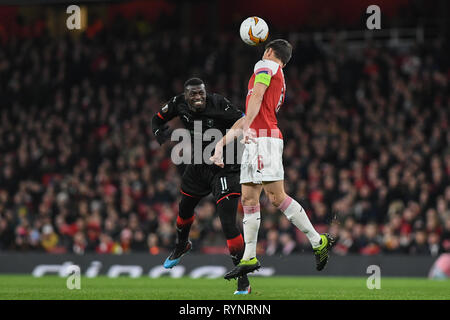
250,223
297,215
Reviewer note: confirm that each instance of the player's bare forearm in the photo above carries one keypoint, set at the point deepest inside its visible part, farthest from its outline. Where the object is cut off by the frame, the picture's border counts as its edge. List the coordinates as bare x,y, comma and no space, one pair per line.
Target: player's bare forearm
254,105
242,125
234,132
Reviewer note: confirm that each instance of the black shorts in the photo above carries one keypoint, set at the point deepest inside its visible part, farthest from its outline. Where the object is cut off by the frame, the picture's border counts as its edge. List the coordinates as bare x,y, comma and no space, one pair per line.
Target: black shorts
199,180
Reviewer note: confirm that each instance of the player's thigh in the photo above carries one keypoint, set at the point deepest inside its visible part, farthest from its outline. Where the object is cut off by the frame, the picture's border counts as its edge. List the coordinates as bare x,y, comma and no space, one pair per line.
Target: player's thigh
195,182
225,185
250,194
226,190
275,191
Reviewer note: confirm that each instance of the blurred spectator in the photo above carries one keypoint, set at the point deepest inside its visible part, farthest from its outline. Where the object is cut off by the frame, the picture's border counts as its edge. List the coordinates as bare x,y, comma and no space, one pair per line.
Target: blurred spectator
126,237
369,241
138,243
50,239
107,245
390,241
152,242
434,244
419,244
288,244
6,235
79,243
272,246
345,243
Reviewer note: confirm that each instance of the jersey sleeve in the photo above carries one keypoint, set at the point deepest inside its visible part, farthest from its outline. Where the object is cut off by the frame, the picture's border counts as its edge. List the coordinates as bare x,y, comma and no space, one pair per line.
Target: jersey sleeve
169,110
165,114
264,70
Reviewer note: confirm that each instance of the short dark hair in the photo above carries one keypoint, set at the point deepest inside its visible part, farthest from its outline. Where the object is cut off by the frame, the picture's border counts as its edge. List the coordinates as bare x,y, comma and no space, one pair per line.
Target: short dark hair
282,49
193,82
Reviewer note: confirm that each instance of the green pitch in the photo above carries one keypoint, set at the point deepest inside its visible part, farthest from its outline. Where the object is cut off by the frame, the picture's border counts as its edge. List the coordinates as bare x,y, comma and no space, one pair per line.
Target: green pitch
272,288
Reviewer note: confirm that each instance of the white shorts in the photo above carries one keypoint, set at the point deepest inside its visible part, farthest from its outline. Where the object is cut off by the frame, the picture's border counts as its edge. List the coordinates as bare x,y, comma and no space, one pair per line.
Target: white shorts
263,161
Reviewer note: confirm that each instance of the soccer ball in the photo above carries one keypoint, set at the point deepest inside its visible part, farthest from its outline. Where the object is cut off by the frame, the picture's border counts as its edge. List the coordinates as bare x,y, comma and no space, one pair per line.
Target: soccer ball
254,31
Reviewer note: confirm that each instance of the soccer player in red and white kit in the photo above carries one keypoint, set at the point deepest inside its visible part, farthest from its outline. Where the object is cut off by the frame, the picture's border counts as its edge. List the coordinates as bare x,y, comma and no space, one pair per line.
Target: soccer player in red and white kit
262,164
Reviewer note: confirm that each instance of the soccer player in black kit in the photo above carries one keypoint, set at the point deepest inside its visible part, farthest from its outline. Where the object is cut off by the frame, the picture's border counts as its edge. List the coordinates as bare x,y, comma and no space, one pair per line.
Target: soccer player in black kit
199,180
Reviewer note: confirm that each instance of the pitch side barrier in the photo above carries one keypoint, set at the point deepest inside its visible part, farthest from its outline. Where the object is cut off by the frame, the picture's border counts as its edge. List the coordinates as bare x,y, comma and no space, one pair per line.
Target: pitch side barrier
208,266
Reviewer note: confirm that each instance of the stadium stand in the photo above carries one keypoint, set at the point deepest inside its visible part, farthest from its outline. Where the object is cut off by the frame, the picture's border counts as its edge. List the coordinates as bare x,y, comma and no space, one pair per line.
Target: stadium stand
366,142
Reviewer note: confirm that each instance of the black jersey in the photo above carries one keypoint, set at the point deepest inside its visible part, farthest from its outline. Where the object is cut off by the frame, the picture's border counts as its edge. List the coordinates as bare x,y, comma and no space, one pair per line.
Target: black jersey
219,114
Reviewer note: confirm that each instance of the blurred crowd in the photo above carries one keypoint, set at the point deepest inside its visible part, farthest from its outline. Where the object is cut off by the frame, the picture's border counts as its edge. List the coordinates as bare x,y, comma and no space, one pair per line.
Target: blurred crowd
366,143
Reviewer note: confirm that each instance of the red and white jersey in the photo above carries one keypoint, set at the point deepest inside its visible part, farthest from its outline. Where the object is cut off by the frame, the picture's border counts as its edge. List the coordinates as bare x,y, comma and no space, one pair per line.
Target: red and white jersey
271,74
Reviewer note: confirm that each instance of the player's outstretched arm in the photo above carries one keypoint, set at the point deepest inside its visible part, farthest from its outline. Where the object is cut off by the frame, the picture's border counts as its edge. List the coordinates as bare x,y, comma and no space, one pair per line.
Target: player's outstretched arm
253,107
234,132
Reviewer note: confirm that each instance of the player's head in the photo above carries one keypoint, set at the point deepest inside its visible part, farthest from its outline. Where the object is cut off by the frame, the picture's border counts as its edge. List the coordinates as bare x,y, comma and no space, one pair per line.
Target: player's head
279,49
195,94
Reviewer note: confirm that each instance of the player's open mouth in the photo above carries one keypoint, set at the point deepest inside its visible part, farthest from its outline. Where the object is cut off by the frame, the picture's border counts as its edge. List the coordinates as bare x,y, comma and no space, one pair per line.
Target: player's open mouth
198,102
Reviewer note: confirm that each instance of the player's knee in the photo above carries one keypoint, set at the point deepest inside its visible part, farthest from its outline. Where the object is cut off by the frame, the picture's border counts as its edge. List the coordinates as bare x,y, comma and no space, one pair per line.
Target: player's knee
249,201
276,198
186,207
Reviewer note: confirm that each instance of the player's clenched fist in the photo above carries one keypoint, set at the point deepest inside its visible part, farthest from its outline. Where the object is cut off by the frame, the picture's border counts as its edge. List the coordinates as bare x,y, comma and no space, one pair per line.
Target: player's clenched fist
217,158
249,136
